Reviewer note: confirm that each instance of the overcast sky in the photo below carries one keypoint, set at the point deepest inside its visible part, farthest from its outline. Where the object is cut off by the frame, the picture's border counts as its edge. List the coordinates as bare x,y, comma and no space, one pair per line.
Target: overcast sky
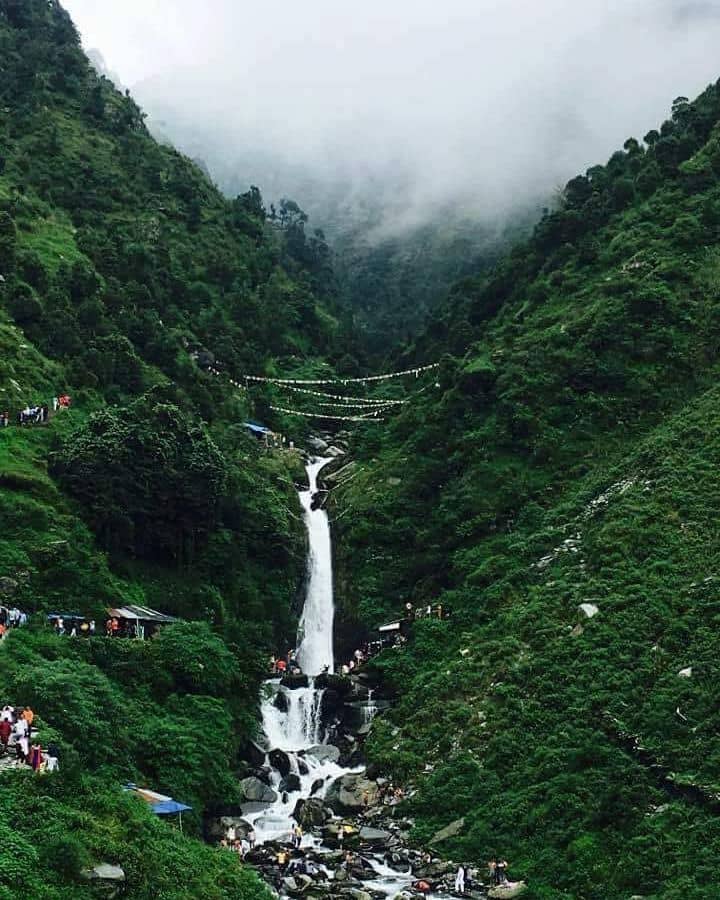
481,99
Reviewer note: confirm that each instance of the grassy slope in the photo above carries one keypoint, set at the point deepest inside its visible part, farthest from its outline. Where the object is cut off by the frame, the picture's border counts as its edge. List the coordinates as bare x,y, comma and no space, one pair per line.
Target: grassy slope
119,258
590,371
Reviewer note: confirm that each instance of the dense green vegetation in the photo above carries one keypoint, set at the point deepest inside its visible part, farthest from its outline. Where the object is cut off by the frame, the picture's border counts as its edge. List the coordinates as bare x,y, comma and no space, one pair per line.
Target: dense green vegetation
568,455
124,273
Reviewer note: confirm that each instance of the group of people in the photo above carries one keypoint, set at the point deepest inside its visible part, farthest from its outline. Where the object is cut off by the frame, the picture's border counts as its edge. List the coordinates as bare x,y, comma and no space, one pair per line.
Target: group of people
237,843
36,413
11,618
429,611
18,733
73,626
31,415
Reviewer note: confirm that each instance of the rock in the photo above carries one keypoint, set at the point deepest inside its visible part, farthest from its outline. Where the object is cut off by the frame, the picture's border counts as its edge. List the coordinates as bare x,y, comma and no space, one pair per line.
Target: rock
345,794
338,683
311,812
255,754
289,784
217,828
448,831
507,891
8,586
293,682
374,835
577,630
588,609
317,444
302,768
108,880
316,785
335,452
685,673
279,760
256,791
281,701
325,753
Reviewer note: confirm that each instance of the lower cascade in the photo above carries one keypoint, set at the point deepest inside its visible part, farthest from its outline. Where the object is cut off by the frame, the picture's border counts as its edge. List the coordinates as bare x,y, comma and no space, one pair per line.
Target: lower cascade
314,824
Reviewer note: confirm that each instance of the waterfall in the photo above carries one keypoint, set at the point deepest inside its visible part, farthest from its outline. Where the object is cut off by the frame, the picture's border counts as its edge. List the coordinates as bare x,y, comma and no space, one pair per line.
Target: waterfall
315,636
291,718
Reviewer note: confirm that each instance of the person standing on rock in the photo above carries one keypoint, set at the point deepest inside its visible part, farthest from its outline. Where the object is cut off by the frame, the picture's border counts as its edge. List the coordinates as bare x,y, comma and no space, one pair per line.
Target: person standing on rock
460,881
252,838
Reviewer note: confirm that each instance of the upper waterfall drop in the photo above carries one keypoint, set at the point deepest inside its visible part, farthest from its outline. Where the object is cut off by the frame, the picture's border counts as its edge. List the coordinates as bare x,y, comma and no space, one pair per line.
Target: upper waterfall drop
315,633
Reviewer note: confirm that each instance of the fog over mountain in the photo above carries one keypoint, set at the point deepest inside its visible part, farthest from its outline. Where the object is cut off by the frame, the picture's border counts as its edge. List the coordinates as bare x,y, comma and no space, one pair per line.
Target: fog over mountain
469,102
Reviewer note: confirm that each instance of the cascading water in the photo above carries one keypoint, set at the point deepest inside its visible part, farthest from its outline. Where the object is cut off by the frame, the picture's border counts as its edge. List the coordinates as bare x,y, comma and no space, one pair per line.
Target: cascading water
291,718
315,636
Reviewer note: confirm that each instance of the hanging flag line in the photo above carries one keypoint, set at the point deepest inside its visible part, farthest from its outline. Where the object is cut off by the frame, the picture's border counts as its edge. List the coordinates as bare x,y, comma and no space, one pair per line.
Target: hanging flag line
369,378
333,404
370,417
358,400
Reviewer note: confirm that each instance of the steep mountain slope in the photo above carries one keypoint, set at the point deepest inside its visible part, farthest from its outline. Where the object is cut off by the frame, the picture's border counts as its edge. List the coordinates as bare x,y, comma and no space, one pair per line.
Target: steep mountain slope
123,271
567,456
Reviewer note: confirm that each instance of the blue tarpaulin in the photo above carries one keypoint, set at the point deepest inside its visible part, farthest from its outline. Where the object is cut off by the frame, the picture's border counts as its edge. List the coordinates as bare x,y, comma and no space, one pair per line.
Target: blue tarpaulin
160,804
256,428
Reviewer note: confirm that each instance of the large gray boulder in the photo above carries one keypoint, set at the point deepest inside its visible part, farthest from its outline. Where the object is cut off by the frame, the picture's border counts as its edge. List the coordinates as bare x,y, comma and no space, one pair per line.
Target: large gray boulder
317,444
507,891
256,791
312,812
374,835
325,753
451,830
107,880
345,794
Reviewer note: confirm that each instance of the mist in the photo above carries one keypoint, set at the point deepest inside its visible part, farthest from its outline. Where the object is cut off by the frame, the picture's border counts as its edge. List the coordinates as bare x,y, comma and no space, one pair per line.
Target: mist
411,107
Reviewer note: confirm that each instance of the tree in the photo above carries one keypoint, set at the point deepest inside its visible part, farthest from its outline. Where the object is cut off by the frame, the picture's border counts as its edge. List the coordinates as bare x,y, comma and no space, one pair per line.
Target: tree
148,479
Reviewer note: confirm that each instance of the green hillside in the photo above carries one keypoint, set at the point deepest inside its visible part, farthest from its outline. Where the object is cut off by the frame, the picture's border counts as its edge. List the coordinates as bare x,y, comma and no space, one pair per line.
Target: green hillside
568,455
124,272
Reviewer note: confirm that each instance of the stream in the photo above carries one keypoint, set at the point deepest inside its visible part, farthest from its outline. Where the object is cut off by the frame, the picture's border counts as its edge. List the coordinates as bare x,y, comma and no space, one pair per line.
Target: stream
308,748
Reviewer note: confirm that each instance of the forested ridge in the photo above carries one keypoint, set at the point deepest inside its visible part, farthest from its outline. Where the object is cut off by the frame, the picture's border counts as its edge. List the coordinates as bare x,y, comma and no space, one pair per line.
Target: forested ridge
555,489
557,493
125,273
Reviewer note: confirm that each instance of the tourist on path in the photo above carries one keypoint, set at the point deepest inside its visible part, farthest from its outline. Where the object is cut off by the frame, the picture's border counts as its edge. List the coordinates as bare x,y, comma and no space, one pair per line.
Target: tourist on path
460,880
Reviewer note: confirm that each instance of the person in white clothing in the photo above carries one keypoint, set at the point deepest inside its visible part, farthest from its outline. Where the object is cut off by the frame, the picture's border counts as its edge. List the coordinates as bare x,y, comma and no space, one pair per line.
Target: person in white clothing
460,880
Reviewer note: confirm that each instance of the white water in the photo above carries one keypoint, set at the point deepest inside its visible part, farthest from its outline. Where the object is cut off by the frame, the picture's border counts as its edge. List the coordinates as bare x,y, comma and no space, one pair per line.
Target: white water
298,728
315,636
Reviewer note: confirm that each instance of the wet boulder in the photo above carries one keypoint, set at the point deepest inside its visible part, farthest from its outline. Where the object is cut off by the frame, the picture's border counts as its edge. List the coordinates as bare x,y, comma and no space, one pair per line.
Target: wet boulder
293,682
281,702
289,784
345,794
279,760
338,683
255,754
257,791
325,753
312,812
316,785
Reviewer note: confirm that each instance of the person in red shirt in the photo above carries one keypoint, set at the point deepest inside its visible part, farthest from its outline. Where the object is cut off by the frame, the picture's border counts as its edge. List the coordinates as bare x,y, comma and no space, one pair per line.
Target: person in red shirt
5,729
